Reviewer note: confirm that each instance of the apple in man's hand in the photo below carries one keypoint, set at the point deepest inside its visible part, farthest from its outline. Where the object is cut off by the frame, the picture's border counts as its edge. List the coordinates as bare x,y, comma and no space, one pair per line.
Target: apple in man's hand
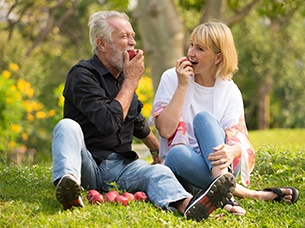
132,53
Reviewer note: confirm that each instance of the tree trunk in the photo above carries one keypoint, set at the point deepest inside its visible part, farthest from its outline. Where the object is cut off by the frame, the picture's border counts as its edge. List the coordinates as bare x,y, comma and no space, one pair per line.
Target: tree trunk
263,111
213,9
161,33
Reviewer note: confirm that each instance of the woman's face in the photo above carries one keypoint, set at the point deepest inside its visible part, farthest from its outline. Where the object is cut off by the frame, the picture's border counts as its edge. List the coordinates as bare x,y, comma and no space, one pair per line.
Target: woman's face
203,60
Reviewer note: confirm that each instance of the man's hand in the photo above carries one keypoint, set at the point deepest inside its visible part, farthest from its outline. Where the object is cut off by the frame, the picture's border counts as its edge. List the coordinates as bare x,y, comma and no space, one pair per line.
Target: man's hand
134,69
156,160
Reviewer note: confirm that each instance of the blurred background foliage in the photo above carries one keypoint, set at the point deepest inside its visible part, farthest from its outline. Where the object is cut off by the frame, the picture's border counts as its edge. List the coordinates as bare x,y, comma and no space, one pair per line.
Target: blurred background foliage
41,39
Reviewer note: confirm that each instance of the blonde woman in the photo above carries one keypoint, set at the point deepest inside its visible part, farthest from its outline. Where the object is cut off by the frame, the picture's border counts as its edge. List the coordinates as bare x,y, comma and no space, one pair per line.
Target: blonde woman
199,113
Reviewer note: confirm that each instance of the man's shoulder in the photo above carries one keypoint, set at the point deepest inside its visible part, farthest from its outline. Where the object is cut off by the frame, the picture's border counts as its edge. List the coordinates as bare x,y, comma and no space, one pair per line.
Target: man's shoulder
84,64
83,67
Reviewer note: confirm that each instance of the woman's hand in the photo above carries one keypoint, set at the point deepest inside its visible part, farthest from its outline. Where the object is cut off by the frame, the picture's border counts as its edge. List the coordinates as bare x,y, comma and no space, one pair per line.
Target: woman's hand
224,155
184,70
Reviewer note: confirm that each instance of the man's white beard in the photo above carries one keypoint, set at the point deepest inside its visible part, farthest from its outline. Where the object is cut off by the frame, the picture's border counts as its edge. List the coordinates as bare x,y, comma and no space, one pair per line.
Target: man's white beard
117,59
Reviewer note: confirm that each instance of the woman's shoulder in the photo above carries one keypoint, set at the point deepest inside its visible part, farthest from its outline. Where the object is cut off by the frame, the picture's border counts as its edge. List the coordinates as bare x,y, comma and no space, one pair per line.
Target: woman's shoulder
169,72
169,75
226,83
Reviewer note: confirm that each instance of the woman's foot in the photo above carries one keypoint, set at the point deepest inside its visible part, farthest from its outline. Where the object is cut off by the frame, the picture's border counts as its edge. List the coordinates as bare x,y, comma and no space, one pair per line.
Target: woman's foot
285,194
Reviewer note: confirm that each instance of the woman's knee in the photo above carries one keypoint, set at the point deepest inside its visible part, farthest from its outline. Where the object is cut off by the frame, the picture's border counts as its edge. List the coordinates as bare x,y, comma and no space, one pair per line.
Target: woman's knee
177,154
203,117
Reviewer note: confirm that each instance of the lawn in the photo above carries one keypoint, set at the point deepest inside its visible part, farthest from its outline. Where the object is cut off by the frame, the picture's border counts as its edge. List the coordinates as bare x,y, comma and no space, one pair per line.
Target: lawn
27,196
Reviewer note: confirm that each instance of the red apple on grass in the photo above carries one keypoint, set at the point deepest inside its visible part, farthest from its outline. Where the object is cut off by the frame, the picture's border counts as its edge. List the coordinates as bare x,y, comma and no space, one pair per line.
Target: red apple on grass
129,196
132,53
94,197
110,196
122,200
141,196
92,192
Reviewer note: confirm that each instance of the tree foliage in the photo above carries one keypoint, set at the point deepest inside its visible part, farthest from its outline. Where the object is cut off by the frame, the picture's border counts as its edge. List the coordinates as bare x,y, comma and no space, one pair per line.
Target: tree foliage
46,37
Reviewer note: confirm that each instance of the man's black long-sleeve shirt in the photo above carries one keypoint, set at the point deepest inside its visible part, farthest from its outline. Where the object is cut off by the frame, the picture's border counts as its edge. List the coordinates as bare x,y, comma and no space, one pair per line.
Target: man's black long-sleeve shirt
89,94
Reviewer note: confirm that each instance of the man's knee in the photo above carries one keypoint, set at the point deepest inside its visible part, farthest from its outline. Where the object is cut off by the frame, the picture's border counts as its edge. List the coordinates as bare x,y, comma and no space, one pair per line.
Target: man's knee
67,124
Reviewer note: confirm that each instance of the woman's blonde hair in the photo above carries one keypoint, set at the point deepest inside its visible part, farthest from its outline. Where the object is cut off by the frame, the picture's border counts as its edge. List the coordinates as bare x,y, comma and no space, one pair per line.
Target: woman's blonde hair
217,37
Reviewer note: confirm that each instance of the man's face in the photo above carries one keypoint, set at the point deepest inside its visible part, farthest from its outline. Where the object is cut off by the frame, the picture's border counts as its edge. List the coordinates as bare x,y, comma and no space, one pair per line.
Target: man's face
122,40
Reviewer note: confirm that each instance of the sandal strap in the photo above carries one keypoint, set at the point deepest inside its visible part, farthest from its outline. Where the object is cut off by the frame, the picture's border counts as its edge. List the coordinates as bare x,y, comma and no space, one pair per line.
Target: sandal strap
233,202
277,191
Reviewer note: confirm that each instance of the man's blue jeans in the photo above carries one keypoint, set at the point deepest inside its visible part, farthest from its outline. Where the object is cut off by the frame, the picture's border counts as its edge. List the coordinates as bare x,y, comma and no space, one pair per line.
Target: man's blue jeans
70,156
193,168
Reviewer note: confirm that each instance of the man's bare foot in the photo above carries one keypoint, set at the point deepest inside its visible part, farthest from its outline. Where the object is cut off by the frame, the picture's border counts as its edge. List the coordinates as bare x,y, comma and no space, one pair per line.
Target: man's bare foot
234,207
236,210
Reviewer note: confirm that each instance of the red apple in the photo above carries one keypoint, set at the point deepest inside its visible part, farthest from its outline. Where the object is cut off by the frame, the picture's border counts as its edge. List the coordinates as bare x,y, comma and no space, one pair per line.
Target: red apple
91,193
129,196
132,53
186,59
121,199
110,196
96,199
140,196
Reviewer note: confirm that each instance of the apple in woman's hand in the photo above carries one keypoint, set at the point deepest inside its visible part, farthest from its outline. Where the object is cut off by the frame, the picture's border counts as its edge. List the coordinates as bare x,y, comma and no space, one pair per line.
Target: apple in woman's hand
187,60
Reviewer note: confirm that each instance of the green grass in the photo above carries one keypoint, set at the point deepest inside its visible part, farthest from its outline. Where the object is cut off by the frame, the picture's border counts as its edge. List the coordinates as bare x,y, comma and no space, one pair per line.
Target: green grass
27,196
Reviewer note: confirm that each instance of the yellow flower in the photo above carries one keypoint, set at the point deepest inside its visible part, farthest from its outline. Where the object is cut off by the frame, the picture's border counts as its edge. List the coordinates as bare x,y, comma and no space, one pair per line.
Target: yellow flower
6,74
32,106
41,115
9,100
37,106
28,106
61,101
24,136
146,110
52,113
11,144
30,117
25,87
14,67
15,128
13,88
141,97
